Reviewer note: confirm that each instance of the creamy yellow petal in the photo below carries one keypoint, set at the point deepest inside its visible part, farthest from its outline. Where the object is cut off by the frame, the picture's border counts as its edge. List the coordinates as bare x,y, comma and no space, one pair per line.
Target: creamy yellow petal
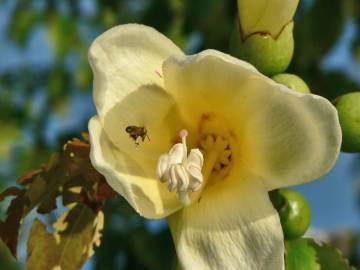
135,182
233,226
152,109
283,136
265,16
202,83
297,137
125,58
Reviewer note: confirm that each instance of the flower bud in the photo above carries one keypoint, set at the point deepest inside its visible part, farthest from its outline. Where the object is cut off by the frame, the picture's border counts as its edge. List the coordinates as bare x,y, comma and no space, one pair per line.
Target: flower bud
293,82
294,212
265,16
348,107
270,56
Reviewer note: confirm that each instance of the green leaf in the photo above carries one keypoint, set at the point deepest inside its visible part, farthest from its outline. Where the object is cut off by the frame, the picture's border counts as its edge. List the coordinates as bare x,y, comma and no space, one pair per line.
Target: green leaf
330,258
83,75
300,255
63,34
306,254
22,22
312,32
71,244
7,261
9,134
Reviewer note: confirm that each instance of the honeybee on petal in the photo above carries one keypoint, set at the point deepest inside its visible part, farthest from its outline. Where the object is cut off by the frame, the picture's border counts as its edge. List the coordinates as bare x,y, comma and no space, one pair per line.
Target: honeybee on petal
137,133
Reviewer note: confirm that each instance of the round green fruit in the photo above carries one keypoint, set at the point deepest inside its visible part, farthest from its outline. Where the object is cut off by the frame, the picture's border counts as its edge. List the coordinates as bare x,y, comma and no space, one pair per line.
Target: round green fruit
293,82
348,107
294,212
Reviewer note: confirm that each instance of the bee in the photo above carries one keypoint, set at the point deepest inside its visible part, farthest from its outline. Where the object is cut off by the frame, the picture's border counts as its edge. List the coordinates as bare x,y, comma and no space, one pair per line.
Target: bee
137,132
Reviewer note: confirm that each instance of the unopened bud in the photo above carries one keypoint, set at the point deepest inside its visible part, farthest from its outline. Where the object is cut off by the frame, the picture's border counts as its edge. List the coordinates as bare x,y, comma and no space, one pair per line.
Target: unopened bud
270,56
265,16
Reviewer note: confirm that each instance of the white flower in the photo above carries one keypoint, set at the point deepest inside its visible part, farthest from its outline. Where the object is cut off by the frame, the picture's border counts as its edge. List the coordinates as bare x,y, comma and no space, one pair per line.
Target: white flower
254,136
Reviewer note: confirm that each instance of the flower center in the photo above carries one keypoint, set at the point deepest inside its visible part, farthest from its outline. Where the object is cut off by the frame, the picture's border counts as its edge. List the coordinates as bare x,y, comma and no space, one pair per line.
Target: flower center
190,173
217,153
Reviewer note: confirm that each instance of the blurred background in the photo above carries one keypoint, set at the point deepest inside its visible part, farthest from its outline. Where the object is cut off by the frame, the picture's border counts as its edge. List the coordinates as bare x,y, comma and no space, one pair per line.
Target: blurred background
46,98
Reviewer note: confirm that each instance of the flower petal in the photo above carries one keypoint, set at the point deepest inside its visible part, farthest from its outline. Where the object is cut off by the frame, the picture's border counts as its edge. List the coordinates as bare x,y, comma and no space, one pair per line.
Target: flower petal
283,136
188,80
233,226
152,109
123,59
147,195
298,138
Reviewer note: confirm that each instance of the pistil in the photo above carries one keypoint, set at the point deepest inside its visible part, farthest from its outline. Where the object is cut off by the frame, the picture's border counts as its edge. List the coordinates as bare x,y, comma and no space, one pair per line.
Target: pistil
217,154
209,164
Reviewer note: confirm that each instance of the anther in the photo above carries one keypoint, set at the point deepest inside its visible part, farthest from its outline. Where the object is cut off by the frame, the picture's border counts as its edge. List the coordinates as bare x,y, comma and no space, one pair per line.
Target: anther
182,172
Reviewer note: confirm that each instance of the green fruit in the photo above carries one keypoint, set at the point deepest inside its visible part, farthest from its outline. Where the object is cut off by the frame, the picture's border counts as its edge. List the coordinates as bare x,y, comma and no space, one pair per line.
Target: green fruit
348,107
293,82
294,212
270,56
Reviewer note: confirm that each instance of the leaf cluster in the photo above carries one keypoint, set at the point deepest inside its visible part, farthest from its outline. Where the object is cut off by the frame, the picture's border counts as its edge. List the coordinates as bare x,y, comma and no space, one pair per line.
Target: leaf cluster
69,176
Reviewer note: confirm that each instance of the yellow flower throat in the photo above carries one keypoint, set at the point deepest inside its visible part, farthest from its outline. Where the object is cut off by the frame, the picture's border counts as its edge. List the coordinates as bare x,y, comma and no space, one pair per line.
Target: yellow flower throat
191,173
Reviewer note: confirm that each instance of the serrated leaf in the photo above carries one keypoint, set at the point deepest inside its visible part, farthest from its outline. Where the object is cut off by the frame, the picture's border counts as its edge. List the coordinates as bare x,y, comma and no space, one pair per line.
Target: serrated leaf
330,258
300,255
306,254
76,232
